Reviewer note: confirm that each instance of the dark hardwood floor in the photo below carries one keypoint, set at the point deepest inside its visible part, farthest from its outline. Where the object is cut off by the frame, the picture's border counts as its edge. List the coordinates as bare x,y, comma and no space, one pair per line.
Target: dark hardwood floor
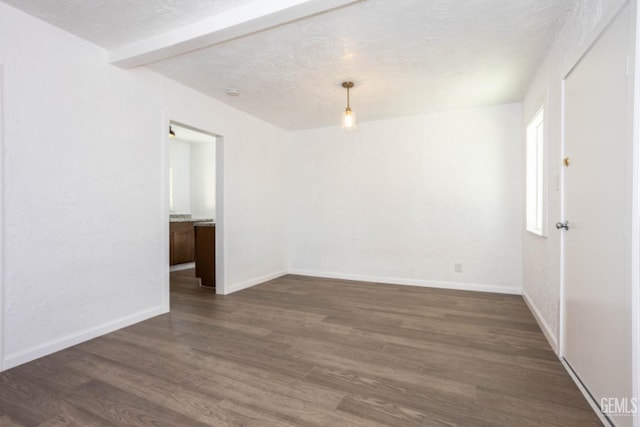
299,351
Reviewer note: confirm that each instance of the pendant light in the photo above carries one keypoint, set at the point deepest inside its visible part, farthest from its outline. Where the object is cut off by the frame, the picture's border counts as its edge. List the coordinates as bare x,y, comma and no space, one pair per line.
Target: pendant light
348,117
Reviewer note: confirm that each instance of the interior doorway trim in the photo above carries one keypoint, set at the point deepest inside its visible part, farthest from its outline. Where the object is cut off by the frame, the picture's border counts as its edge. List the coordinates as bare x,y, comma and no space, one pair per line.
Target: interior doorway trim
561,311
220,238
634,68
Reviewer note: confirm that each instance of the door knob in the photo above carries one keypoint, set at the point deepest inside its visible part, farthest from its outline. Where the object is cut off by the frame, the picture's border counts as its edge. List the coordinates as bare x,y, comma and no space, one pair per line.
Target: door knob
561,225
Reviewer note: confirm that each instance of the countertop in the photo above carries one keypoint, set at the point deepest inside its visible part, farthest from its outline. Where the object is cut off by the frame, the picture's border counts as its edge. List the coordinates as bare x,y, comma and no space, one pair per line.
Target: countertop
188,218
205,224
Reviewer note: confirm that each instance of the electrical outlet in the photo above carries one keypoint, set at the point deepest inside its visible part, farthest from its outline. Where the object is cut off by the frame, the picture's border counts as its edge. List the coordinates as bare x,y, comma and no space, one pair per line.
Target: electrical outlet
457,267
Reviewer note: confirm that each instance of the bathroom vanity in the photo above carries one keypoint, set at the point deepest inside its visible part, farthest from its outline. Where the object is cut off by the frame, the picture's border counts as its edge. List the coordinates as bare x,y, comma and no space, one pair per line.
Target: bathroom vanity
182,238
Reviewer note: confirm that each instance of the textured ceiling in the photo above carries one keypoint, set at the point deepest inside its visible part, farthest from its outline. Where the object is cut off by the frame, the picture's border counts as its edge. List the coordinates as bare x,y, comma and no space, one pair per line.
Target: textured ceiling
113,23
406,57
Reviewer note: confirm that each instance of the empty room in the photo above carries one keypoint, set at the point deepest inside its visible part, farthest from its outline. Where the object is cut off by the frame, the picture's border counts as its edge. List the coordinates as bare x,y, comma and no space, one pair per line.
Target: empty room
319,213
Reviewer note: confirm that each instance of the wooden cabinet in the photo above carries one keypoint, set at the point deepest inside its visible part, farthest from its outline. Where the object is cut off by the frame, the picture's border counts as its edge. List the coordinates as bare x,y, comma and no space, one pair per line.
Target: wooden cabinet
206,254
181,243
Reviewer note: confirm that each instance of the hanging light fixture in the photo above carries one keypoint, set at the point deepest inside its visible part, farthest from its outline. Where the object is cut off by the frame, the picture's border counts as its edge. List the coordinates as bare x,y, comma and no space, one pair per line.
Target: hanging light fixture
172,134
348,117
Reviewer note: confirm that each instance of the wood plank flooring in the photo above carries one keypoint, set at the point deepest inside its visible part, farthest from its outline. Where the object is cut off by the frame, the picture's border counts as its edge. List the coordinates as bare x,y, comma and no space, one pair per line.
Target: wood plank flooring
299,351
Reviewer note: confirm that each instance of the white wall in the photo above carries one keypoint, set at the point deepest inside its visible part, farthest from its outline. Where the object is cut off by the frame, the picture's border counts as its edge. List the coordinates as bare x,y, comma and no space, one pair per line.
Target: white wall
203,180
541,256
193,167
402,200
397,201
180,164
258,192
85,194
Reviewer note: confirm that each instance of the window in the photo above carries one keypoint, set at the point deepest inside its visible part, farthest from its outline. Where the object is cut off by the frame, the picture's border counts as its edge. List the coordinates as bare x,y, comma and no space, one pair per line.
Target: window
535,175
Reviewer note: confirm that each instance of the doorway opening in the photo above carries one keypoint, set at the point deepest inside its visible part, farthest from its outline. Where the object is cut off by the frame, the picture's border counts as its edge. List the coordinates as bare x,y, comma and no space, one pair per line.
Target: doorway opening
194,171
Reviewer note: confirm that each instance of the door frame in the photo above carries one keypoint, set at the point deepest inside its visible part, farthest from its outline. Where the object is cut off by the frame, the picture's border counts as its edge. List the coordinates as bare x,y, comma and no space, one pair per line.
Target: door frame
634,68
633,112
2,291
220,242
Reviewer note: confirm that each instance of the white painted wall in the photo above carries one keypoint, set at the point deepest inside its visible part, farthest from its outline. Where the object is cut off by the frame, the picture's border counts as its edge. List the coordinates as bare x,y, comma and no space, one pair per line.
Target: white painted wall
258,192
180,164
402,200
203,180
398,201
541,256
86,200
193,174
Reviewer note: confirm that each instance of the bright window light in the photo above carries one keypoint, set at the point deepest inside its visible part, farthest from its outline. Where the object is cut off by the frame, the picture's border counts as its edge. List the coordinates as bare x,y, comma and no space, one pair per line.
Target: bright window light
536,218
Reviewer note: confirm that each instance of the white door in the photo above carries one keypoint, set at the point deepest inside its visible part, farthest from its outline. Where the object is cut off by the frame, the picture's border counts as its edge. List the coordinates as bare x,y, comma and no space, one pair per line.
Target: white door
597,289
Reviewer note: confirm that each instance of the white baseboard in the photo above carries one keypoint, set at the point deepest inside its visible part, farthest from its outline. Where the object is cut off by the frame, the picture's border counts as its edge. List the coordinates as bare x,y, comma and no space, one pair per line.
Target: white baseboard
15,359
546,330
180,267
19,358
594,405
461,286
253,282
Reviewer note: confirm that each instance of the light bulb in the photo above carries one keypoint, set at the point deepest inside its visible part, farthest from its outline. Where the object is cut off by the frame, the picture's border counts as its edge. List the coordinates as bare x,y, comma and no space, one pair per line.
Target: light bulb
348,119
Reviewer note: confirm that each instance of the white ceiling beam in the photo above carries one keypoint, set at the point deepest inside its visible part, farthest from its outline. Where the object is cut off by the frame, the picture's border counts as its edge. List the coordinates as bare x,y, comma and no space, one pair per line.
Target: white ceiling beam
253,17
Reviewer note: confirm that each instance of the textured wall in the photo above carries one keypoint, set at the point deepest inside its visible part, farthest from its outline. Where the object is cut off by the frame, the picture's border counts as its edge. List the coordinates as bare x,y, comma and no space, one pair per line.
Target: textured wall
541,256
404,200
84,193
